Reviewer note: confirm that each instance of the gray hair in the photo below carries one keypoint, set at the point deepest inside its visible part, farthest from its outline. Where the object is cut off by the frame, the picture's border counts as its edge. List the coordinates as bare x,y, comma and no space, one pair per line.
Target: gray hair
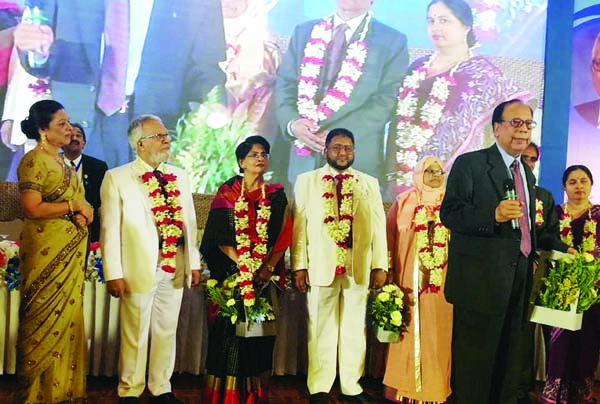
135,132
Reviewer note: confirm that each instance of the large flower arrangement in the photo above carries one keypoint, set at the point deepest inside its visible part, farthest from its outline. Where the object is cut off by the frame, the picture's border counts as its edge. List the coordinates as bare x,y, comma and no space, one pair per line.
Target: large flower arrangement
205,142
387,310
9,264
571,279
229,299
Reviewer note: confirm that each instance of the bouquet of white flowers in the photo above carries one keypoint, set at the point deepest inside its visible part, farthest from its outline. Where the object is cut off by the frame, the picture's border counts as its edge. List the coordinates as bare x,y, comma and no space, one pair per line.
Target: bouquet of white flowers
388,313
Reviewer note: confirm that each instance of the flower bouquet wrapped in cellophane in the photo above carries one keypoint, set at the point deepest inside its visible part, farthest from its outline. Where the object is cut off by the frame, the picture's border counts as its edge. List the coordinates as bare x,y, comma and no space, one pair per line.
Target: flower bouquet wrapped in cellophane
94,269
205,142
388,313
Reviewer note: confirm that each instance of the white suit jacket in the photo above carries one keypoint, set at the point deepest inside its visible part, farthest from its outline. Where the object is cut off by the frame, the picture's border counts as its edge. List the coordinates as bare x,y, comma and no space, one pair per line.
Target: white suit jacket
315,250
129,237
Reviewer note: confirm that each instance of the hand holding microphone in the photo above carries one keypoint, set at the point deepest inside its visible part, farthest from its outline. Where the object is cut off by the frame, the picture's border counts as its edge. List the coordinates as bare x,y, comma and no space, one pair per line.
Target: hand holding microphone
510,208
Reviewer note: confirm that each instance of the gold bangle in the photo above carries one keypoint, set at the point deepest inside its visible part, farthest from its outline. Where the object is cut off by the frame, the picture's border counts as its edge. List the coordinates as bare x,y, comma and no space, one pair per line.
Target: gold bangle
70,205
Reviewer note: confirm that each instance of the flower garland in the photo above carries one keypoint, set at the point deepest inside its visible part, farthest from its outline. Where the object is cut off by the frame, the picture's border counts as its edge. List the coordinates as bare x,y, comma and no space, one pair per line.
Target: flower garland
9,264
414,130
432,257
539,212
588,241
339,228
251,250
309,78
168,216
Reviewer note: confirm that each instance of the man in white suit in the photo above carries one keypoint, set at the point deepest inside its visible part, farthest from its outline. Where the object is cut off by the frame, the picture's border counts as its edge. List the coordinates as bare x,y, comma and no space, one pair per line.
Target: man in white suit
149,251
339,250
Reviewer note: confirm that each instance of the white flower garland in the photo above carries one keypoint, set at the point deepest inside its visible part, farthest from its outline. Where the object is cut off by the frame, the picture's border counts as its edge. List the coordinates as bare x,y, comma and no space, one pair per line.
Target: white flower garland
414,130
310,71
250,257
168,216
433,259
339,228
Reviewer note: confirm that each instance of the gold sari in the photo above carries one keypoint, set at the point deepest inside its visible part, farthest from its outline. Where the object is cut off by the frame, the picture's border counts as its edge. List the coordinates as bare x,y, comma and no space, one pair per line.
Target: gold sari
51,343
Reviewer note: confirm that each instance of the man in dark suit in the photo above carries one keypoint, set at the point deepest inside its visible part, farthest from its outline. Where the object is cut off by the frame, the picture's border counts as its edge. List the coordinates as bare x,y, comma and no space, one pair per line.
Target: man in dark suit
366,109
90,171
158,57
490,259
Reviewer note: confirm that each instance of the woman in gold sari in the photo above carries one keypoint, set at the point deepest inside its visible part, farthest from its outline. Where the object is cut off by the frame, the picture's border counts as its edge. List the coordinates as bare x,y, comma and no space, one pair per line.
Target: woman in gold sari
51,341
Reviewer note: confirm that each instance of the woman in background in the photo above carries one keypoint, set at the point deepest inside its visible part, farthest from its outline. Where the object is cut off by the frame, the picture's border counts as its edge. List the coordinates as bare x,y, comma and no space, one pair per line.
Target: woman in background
418,367
573,355
238,369
447,98
51,342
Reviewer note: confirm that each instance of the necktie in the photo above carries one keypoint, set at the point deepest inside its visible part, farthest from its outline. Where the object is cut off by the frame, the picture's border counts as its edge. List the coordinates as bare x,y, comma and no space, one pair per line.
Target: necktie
523,220
73,165
336,50
111,96
338,195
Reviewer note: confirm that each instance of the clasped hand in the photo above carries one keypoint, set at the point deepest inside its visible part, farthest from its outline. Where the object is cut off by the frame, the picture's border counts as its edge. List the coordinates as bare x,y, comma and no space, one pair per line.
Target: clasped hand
262,276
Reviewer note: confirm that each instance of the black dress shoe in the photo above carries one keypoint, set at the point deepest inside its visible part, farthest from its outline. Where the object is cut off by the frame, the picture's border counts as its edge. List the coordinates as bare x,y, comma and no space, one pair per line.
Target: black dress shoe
362,398
129,400
165,398
319,398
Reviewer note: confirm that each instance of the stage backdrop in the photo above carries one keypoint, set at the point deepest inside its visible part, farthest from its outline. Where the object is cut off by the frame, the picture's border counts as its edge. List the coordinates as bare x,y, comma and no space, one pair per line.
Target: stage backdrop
506,62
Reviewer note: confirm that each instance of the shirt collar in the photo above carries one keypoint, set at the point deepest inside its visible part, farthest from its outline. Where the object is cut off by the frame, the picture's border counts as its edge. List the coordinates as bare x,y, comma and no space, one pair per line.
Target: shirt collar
161,167
353,23
507,158
68,161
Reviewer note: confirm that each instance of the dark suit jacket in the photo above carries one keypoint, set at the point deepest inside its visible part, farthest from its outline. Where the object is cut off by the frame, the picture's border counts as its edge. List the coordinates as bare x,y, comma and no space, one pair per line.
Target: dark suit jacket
483,254
589,111
92,174
372,101
184,43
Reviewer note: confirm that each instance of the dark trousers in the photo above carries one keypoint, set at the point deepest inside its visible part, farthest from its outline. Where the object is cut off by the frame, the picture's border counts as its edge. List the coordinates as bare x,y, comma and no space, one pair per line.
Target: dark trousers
108,138
486,347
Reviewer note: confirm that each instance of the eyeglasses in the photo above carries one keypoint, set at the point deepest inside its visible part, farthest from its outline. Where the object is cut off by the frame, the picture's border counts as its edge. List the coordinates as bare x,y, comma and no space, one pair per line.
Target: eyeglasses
517,123
338,148
434,172
256,156
159,136
533,159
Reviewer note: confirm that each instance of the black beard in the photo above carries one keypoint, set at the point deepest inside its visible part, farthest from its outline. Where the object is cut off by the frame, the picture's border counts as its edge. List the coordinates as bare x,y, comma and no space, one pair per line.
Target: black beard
338,167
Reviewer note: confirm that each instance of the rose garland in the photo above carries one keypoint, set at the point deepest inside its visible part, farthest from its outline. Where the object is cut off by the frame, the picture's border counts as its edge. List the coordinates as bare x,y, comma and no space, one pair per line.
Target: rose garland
339,228
432,256
414,130
310,71
168,216
588,242
539,212
251,250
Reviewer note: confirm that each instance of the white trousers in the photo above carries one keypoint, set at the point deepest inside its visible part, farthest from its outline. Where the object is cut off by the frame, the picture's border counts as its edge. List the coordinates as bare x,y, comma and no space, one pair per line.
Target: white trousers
336,334
142,314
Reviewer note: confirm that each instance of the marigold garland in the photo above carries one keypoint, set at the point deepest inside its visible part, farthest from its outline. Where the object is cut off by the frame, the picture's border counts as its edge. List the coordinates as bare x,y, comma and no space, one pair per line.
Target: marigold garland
251,250
588,241
310,71
339,227
168,216
432,256
414,130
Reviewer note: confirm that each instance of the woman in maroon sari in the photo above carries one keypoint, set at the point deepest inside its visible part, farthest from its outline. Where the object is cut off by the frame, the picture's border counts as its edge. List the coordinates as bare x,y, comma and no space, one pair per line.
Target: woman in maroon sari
237,368
573,355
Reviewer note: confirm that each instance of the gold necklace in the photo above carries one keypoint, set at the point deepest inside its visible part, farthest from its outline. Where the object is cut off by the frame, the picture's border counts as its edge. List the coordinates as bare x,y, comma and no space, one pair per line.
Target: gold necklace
55,158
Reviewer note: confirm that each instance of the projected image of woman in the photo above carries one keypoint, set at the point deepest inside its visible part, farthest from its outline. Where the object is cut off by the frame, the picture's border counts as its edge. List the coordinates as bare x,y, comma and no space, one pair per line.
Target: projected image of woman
446,98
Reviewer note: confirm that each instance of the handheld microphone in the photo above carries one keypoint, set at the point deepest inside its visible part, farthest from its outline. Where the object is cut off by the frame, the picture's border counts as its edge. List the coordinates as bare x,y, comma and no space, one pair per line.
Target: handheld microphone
511,195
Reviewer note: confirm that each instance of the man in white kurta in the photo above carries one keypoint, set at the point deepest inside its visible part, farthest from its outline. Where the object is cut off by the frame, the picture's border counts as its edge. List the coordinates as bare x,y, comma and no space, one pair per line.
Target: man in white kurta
148,241
336,263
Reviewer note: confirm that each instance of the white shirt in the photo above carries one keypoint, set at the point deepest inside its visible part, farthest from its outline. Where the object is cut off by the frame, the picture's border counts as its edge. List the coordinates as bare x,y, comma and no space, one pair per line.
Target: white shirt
77,162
